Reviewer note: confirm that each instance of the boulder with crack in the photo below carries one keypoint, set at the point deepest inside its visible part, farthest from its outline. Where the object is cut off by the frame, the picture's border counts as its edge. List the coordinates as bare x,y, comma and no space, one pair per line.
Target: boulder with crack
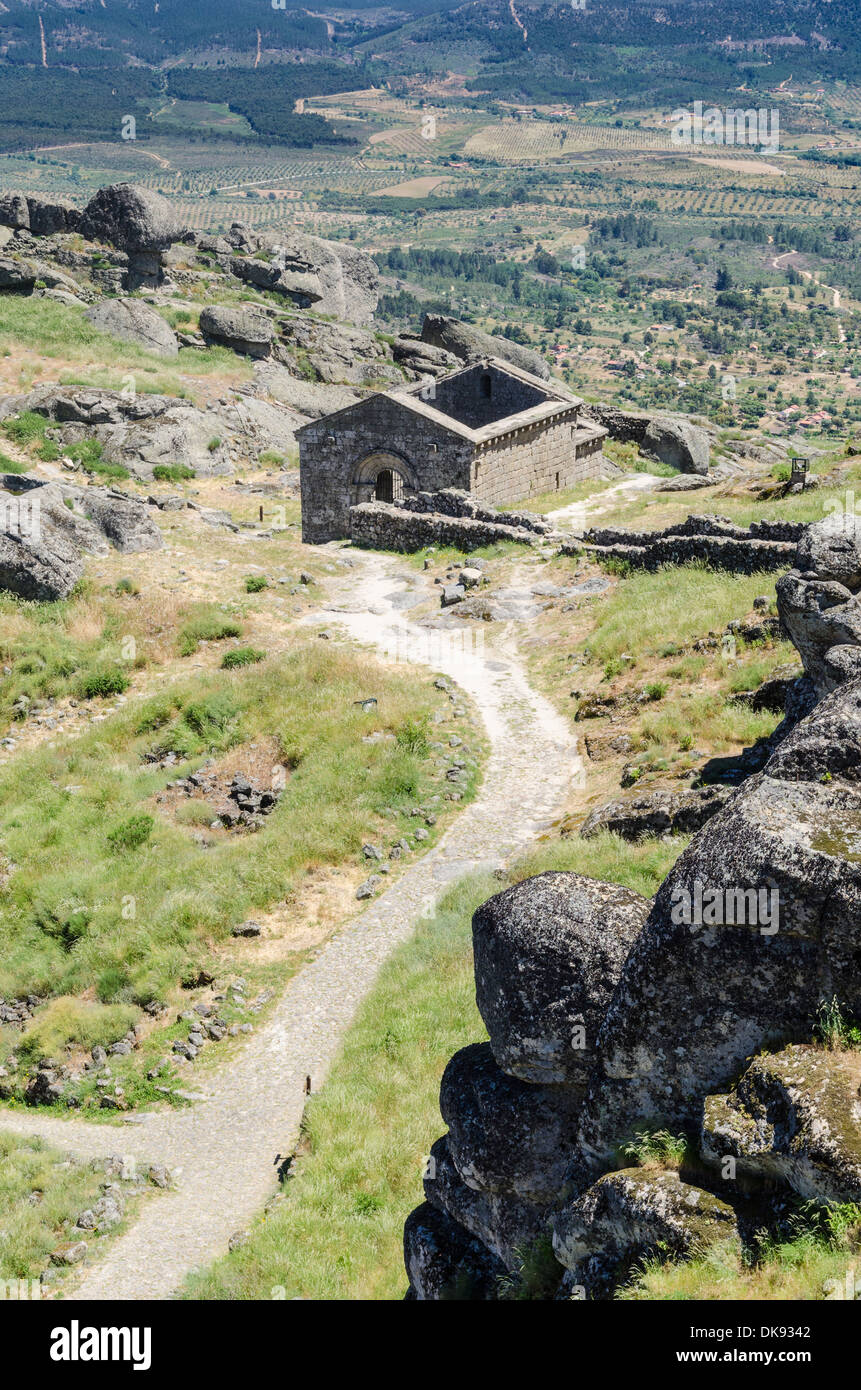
444,1262
777,877
505,1223
133,321
819,603
659,812
633,1214
246,331
793,1118
506,1135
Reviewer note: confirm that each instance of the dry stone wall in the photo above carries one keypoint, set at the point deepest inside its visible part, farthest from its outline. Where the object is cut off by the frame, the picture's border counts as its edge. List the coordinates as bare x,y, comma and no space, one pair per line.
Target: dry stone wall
382,526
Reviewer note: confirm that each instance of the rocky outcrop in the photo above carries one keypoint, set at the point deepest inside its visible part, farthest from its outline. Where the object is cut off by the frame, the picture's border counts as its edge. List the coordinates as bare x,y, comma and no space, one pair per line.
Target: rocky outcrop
339,352
136,431
38,215
310,399
46,527
332,277
659,812
705,1031
696,999
38,568
246,331
470,344
819,601
793,1118
631,1215
134,322
422,358
671,439
548,953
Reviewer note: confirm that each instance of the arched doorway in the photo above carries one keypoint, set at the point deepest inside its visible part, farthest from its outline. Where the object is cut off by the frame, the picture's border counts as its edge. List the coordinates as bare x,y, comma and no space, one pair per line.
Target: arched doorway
383,477
389,486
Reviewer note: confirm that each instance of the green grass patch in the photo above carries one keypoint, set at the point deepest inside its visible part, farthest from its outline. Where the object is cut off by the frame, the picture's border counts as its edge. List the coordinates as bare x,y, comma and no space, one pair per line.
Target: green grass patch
70,815
338,1231
207,624
241,656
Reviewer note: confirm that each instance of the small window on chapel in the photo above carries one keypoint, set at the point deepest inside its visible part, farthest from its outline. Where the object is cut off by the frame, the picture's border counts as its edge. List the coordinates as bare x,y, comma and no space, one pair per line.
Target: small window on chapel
486,385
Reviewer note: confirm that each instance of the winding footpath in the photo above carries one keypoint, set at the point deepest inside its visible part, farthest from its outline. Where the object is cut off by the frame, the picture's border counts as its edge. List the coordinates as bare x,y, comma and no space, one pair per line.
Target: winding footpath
225,1150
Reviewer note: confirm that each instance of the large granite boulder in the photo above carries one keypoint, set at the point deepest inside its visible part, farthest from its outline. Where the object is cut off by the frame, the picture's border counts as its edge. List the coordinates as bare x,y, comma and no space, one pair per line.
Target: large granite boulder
444,1262
470,344
661,812
14,212
631,1215
134,321
17,277
831,549
671,439
332,276
793,1118
819,615
759,916
50,216
506,1135
38,567
678,443
131,217
548,952
246,331
820,604
506,1224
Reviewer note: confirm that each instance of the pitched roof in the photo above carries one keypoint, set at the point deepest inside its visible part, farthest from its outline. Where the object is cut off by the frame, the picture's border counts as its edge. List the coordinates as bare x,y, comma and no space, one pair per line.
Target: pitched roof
557,401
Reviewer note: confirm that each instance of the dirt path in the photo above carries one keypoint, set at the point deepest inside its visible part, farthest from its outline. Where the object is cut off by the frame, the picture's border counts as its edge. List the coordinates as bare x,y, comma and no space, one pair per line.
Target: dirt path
578,515
836,301
225,1151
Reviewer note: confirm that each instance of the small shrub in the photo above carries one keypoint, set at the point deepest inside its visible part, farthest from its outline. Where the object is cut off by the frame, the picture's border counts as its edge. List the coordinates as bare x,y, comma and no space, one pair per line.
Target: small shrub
413,737
126,586
102,684
211,718
132,833
833,1029
214,443
654,1146
208,625
656,690
255,582
241,656
26,428
172,472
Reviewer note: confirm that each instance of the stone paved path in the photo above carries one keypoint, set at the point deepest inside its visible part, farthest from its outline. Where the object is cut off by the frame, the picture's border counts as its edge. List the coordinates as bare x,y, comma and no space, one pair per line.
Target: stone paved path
226,1149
